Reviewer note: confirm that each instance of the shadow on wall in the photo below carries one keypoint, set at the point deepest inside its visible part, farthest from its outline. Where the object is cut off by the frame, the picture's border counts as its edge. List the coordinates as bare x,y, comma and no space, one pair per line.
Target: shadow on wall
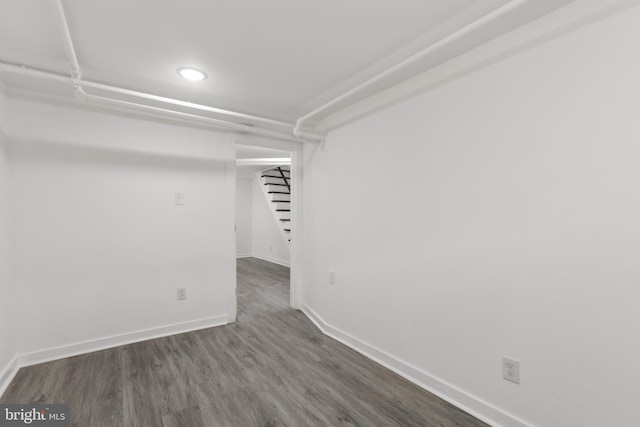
90,154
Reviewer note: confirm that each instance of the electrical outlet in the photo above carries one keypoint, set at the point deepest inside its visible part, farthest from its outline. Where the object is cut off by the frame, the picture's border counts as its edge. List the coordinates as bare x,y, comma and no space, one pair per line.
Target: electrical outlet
179,199
511,369
182,293
332,277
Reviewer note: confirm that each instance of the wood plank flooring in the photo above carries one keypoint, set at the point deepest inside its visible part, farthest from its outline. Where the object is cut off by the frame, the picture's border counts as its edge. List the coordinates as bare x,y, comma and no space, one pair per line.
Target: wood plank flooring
271,368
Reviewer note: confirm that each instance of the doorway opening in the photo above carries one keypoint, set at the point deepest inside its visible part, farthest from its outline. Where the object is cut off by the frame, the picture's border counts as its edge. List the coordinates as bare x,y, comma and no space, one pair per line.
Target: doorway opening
266,218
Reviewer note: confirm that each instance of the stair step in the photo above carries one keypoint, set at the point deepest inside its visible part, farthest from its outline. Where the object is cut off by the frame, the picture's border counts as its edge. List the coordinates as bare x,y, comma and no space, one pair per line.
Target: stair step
281,197
274,177
275,180
283,214
272,183
277,187
283,210
281,201
278,192
287,229
285,219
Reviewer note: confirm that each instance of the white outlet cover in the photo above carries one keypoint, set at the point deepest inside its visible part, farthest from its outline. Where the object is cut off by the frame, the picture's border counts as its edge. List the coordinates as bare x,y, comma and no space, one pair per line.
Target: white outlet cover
182,293
511,369
332,277
179,199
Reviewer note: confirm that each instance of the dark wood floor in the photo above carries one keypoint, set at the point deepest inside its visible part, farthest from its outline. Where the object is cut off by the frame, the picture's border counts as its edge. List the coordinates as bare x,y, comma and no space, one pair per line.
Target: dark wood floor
271,368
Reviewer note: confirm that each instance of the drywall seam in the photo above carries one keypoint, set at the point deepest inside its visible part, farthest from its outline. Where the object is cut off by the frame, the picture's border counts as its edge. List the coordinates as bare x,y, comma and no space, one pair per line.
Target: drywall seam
448,392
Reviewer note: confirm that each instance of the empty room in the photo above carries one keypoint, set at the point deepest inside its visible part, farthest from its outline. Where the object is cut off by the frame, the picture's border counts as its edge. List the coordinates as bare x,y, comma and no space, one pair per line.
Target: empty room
320,213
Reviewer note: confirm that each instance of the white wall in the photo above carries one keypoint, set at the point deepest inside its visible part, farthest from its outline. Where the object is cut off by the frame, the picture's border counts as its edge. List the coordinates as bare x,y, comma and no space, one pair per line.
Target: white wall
268,242
244,216
100,245
496,215
7,302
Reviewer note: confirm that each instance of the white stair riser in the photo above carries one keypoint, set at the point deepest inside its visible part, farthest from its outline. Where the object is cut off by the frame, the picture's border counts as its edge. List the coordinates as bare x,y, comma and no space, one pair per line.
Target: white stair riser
280,197
284,215
271,180
281,188
282,206
276,172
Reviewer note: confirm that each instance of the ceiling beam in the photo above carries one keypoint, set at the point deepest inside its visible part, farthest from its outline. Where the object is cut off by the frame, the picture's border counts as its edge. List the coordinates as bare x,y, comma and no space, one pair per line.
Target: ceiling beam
121,105
79,85
264,162
473,26
76,72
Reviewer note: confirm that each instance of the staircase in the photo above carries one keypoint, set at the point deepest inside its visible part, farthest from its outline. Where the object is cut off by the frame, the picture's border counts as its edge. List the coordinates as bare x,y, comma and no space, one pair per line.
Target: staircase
277,188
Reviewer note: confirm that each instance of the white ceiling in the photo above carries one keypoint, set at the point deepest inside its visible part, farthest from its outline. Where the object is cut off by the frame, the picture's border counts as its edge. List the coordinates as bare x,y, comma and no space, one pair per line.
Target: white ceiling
277,58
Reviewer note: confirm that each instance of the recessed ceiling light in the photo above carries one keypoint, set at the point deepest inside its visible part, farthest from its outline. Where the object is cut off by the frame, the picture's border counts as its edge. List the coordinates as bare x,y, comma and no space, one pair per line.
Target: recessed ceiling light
192,74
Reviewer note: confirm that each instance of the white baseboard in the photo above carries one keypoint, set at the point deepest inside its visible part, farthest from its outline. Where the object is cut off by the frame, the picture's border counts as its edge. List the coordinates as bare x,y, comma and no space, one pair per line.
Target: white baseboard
89,346
7,375
47,355
457,397
246,255
273,260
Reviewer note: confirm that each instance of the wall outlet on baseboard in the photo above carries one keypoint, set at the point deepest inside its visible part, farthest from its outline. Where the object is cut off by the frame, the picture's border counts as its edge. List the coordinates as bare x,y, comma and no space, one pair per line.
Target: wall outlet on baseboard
182,293
332,277
511,369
